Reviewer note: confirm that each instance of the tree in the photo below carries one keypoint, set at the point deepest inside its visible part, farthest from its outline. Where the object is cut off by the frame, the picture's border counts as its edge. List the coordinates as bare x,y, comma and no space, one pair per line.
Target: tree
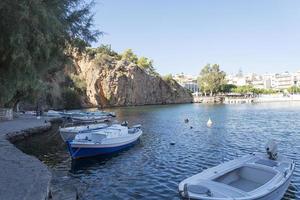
130,56
36,38
293,89
227,88
168,77
147,65
211,79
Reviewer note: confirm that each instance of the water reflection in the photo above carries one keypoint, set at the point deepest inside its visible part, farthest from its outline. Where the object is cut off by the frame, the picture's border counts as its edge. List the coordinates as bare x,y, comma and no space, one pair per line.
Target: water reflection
153,168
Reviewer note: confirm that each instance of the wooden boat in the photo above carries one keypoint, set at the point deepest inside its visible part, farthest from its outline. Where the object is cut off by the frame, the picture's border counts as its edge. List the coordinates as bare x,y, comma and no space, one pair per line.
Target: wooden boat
68,133
255,176
103,141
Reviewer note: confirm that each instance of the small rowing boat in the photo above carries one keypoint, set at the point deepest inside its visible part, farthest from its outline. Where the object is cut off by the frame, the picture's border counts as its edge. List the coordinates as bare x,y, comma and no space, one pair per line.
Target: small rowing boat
251,177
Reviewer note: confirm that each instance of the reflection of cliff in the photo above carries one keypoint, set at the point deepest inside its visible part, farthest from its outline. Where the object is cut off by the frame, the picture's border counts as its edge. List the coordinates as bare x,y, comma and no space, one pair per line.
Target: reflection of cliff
111,82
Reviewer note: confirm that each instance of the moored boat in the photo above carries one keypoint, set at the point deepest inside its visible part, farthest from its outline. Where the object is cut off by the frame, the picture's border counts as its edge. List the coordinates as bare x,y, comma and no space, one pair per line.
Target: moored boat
103,141
255,176
90,119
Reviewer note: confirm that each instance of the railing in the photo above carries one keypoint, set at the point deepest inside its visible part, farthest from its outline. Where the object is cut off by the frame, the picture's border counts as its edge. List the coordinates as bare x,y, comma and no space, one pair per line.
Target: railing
6,114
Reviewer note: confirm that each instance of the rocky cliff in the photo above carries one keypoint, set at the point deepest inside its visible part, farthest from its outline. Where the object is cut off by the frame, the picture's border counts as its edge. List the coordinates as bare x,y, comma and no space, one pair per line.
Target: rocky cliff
117,82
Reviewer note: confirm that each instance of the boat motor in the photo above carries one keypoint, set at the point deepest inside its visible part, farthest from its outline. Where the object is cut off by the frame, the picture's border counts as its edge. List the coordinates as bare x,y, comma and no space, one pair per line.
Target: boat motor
271,149
124,123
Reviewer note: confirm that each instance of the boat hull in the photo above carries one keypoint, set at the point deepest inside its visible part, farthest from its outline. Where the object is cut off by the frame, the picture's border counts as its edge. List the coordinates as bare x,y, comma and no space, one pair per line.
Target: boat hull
77,152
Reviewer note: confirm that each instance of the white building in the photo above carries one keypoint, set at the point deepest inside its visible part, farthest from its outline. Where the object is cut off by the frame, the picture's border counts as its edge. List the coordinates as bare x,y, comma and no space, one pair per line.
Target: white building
284,81
187,81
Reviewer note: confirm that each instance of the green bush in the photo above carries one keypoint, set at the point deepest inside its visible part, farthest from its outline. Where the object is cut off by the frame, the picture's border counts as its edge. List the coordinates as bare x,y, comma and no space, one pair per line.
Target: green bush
71,98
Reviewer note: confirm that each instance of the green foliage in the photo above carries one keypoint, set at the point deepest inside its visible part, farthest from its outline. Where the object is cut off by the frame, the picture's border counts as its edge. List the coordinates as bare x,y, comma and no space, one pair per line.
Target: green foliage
37,37
142,62
293,90
211,79
227,88
103,49
78,82
250,89
130,56
71,98
168,77
147,65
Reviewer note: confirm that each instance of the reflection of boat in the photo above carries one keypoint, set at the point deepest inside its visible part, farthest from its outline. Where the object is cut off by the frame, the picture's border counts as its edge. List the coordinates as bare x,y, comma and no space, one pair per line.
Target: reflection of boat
250,177
68,133
103,141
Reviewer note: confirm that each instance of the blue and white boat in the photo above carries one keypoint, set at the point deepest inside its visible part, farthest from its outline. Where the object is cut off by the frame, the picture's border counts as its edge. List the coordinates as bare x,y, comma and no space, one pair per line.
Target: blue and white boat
103,141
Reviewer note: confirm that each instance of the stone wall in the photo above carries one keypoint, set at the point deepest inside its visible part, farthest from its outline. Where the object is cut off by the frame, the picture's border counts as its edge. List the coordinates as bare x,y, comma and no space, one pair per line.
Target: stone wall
6,114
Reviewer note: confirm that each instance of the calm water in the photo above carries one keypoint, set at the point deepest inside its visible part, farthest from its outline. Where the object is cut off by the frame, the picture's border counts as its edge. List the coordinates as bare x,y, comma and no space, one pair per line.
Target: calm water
153,168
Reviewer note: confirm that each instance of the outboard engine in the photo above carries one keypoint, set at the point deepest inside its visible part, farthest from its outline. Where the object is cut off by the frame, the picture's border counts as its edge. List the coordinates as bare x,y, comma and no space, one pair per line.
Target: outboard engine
271,149
125,123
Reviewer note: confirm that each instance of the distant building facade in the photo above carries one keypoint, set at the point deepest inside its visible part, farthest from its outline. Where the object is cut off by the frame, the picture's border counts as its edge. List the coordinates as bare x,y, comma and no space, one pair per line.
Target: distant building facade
277,81
187,81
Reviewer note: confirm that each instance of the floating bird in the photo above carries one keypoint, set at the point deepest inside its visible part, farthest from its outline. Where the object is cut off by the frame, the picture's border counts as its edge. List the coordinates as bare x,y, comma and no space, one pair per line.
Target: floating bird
209,123
172,143
186,120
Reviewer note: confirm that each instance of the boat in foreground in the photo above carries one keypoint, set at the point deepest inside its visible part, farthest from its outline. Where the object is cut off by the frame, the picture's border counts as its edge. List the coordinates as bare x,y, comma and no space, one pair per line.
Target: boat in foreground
256,176
103,141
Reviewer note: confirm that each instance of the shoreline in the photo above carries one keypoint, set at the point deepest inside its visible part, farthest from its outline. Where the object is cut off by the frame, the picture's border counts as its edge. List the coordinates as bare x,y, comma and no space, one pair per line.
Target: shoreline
23,176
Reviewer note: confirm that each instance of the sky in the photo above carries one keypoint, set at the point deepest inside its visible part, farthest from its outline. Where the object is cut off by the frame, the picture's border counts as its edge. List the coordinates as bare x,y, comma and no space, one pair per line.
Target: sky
257,36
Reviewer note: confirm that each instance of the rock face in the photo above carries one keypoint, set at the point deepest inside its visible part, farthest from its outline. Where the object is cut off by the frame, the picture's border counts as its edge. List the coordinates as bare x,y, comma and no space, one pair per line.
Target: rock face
111,82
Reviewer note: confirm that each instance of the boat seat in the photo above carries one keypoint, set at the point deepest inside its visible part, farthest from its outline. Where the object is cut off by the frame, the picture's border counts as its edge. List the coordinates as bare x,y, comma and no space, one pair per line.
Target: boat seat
198,189
214,189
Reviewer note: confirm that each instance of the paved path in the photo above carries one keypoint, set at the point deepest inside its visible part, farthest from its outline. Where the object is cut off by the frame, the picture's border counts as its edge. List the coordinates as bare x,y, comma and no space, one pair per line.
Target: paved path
22,176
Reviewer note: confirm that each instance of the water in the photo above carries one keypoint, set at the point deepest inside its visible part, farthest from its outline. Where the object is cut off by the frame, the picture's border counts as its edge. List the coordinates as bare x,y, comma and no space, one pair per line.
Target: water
153,168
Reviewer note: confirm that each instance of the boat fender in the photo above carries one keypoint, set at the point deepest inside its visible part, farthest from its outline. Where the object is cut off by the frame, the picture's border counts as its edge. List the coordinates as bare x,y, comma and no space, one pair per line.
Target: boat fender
271,149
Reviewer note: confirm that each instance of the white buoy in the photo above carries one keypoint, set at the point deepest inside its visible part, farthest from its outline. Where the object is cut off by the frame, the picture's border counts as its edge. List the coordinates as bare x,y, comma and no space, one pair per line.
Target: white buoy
209,123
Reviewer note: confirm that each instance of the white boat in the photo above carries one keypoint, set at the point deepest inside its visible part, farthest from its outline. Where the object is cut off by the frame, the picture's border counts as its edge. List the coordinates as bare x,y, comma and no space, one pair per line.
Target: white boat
68,133
103,141
90,118
54,113
255,176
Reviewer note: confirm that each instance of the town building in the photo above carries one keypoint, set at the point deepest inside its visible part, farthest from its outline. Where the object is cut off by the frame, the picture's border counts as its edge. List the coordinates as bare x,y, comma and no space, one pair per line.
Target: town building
187,81
279,81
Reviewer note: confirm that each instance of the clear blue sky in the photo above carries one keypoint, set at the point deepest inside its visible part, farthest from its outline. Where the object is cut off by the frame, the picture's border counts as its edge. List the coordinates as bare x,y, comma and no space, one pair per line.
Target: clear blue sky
182,36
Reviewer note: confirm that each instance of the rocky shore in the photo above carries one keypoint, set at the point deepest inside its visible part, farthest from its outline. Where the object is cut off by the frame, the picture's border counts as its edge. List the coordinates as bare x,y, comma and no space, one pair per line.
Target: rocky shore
22,176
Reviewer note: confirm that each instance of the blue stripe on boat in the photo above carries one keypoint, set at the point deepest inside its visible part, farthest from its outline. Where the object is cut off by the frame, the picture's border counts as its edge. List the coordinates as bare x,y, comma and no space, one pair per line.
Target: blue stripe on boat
77,153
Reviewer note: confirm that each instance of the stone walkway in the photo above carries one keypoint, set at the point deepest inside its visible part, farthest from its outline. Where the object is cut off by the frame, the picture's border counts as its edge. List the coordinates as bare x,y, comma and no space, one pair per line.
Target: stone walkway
22,176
